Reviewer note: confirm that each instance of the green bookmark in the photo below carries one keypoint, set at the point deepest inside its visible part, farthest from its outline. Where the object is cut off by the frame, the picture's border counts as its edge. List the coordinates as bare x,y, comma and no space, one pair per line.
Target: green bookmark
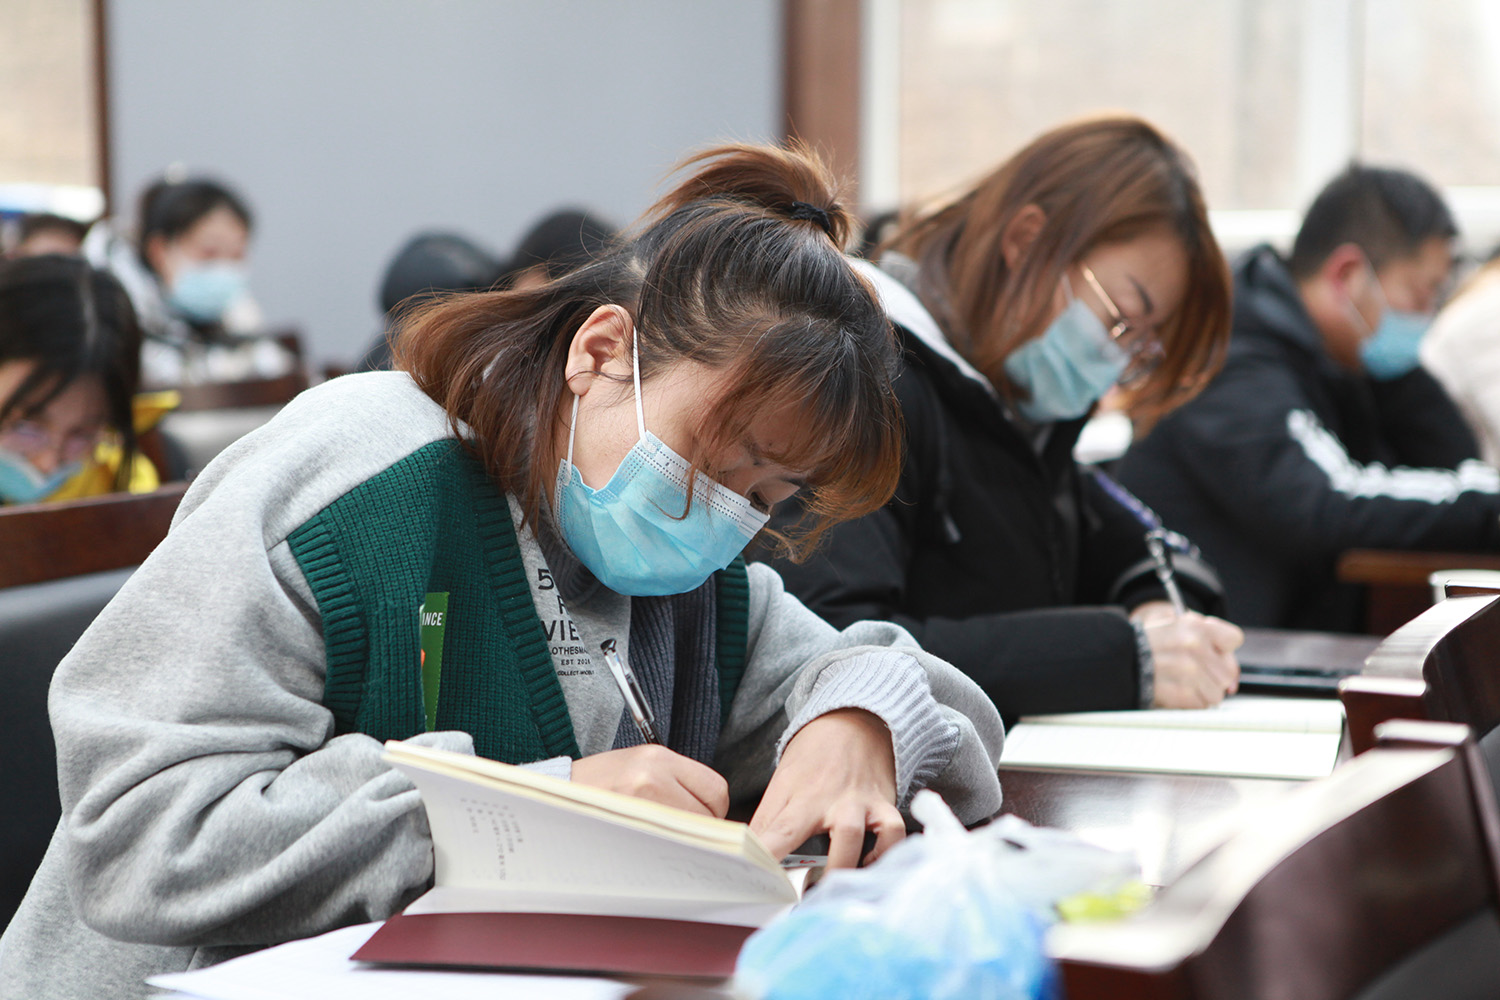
433,614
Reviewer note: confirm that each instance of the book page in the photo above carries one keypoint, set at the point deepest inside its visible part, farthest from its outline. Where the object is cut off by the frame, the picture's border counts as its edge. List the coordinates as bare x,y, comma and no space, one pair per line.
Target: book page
486,838
1184,750
641,813
1241,711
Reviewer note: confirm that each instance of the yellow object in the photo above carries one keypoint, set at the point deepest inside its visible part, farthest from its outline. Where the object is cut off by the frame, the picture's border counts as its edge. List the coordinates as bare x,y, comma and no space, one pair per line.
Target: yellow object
1095,906
99,474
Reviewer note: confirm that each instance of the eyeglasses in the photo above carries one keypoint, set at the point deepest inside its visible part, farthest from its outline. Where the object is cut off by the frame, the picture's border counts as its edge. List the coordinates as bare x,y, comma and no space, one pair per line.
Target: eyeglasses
27,437
1142,347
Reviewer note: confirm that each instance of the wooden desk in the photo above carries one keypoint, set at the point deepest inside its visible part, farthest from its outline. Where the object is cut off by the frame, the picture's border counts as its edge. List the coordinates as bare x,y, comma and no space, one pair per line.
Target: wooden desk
1167,820
1396,581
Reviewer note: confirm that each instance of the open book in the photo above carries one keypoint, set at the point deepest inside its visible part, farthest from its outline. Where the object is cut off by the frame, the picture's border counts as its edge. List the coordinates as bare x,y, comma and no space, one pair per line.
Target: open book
1246,736
536,872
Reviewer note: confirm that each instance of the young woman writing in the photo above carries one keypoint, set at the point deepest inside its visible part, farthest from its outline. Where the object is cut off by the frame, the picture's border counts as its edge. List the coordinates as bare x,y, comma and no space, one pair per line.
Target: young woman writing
562,467
1083,262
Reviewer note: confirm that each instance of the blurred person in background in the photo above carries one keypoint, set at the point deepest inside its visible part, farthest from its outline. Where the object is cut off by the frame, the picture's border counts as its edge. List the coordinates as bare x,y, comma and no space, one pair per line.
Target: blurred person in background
431,263
69,363
1083,261
187,274
555,245
43,232
1323,432
426,265
1462,350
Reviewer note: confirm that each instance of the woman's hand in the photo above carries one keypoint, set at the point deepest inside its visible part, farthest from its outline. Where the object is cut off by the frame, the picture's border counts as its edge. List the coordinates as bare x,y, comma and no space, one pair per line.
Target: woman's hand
656,773
1194,654
837,776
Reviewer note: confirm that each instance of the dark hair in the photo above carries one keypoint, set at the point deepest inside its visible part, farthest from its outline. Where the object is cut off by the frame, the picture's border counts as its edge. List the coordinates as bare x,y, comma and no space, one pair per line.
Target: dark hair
170,208
1098,181
41,222
430,263
1387,213
717,272
559,243
73,321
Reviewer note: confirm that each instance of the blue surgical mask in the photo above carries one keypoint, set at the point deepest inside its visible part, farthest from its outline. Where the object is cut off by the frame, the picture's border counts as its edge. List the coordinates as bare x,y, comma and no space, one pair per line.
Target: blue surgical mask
22,482
632,534
1069,367
204,292
1393,349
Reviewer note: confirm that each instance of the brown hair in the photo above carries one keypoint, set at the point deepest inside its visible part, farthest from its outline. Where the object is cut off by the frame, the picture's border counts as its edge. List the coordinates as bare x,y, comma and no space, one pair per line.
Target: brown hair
1097,181
740,268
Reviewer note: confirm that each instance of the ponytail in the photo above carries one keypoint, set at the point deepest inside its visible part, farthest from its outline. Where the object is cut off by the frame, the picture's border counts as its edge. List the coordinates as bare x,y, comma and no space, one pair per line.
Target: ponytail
792,183
738,268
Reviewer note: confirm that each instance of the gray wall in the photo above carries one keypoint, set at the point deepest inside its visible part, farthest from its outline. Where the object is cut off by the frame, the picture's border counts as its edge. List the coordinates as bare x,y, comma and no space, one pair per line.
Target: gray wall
350,124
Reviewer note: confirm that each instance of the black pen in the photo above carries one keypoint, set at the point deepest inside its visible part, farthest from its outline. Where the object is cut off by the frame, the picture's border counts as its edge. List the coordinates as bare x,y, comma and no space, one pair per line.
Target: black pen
1156,537
1161,552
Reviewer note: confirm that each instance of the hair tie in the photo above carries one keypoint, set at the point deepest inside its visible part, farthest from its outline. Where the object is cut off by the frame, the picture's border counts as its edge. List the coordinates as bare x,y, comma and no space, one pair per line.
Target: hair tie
801,211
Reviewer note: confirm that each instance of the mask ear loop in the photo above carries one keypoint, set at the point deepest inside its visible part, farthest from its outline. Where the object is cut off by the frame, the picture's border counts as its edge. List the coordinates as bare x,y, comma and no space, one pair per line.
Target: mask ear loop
572,433
640,411
1359,318
635,372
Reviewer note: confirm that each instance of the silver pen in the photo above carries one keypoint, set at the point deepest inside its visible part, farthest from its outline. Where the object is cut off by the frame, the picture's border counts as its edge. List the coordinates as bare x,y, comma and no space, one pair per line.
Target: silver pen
635,698
1156,542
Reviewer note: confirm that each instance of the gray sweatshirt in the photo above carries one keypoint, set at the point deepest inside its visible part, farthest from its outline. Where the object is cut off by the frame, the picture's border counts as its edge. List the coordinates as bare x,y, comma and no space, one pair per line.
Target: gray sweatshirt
208,809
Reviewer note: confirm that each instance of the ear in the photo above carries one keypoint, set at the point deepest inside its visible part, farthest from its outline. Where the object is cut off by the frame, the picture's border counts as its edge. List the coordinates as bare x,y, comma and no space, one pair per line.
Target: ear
1345,269
1020,232
601,345
156,254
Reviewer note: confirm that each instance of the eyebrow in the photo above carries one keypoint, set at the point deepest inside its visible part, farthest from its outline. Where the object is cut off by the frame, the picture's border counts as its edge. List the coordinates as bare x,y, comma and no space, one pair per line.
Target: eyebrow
1146,302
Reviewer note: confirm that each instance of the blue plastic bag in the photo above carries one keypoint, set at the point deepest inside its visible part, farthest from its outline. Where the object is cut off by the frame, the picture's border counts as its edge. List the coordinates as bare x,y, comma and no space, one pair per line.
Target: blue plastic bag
943,915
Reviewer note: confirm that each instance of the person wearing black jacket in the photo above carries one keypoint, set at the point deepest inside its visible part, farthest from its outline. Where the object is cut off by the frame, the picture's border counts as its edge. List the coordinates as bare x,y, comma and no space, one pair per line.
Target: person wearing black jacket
1085,259
1322,433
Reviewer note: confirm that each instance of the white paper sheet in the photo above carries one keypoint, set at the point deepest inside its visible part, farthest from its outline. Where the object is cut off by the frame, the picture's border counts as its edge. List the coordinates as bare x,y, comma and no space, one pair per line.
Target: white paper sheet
1242,711
1251,754
319,969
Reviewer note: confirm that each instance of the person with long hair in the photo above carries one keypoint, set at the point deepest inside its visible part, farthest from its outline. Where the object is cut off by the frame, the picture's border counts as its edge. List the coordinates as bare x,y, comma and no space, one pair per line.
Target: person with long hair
69,367
1082,263
562,467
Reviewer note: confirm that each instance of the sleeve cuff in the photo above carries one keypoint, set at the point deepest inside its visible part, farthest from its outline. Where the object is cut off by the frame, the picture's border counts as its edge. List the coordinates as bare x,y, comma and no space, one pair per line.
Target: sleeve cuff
892,686
1146,663
556,767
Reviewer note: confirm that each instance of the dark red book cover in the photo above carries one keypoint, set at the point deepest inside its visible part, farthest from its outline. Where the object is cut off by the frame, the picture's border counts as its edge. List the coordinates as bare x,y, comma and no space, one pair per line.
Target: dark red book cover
558,942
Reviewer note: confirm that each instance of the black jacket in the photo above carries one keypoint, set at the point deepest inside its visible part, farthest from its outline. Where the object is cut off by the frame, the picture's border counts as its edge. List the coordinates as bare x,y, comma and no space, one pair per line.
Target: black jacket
1287,459
1003,559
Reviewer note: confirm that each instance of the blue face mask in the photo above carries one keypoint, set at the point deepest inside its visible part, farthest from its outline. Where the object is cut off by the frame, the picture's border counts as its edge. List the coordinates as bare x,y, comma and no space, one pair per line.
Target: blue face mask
1393,349
632,535
22,482
1068,368
203,292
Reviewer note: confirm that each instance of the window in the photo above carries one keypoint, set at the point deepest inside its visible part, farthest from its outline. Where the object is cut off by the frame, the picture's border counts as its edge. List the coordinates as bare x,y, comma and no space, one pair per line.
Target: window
1271,97
50,125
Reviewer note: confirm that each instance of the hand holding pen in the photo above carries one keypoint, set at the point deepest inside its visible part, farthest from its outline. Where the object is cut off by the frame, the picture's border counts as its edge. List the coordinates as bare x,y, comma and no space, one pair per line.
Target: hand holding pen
650,771
1193,659
1161,554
